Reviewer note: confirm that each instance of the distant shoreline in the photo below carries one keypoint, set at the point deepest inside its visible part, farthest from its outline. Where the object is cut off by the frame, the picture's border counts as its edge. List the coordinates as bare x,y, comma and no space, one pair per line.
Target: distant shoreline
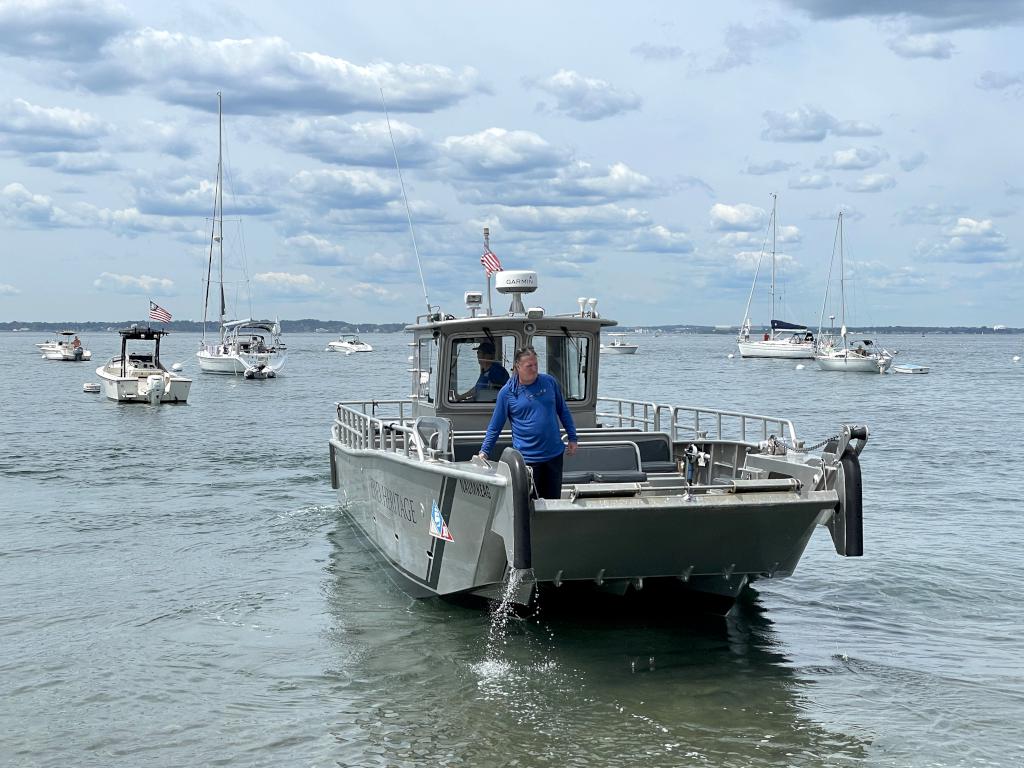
329,327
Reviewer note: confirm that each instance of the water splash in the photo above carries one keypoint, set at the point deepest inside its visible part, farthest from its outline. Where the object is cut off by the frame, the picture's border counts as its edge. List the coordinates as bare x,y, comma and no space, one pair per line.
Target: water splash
502,611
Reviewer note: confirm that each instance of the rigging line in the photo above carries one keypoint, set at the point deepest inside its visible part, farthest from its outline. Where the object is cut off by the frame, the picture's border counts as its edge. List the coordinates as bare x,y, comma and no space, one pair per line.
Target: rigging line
405,198
828,281
757,269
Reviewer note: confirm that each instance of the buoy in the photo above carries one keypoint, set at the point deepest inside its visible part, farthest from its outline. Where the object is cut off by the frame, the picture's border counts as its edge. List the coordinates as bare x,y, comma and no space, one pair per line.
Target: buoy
730,355
176,367
1016,358
90,386
799,366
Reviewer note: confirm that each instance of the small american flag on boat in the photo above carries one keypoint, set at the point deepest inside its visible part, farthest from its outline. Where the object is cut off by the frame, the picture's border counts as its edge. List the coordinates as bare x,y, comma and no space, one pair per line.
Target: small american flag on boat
158,313
490,262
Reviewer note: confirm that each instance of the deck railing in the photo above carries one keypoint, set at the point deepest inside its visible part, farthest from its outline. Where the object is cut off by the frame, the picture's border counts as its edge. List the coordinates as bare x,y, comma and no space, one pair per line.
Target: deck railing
686,422
386,425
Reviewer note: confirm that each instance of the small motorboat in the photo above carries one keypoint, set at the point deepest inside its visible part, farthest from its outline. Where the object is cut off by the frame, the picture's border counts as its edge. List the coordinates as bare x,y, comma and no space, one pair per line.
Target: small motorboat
91,386
348,343
140,377
618,345
67,347
909,368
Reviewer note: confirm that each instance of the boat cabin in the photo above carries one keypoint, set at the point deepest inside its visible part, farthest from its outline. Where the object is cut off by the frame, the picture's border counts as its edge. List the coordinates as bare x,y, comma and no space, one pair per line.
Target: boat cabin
459,364
140,360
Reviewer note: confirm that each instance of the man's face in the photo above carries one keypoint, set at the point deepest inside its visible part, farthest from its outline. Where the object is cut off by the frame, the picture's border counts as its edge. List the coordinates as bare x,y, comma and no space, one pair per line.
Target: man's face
527,367
484,358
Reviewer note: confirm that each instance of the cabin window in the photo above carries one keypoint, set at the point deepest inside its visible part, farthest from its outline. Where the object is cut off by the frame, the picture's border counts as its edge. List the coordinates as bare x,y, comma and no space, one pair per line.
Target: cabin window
424,383
480,366
565,358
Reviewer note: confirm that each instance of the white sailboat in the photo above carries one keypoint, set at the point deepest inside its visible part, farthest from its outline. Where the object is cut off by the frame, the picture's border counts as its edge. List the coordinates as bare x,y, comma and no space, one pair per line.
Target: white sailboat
785,340
249,348
856,355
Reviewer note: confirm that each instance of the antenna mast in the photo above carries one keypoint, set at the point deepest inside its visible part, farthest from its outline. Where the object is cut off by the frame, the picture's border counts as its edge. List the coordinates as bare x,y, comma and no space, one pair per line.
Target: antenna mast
405,198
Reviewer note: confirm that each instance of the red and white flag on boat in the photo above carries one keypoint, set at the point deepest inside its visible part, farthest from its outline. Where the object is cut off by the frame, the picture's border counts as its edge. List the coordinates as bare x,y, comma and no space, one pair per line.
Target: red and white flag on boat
158,313
490,262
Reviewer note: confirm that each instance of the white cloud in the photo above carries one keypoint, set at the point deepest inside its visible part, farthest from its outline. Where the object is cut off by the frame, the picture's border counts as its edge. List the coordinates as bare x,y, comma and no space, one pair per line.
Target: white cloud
284,285
373,292
310,249
333,140
585,98
872,182
767,167
68,30
496,152
344,188
802,124
8,290
810,181
742,42
737,218
972,241
999,81
266,76
920,46
855,128
854,159
141,285
28,127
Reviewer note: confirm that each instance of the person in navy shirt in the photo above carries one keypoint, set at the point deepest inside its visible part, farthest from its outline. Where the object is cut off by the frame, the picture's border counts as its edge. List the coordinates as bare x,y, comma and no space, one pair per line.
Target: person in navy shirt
492,375
533,402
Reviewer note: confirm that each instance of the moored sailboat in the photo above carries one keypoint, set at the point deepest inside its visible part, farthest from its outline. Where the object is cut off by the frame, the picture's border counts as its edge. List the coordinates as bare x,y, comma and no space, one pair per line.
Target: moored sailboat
785,340
843,353
249,348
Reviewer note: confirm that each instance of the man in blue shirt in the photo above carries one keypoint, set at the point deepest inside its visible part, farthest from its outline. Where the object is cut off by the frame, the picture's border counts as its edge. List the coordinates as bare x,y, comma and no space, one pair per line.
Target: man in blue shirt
492,376
533,402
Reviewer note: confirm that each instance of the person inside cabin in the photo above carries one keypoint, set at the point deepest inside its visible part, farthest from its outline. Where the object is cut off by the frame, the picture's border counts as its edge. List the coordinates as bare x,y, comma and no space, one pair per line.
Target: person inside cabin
492,376
533,403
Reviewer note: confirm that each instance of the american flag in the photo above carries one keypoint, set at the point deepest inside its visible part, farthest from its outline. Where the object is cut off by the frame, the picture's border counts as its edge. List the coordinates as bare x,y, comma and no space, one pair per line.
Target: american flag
158,313
490,262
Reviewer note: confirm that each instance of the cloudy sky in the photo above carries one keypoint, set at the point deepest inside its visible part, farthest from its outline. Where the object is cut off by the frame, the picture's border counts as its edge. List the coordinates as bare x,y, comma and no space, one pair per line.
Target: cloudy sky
624,151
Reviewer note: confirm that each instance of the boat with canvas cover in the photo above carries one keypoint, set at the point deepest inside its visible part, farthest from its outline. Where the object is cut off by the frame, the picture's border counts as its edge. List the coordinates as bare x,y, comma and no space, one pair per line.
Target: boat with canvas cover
692,500
140,377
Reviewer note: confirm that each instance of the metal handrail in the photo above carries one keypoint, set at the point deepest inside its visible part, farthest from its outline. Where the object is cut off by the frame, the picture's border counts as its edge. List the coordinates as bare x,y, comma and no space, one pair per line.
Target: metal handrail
393,431
649,416
695,422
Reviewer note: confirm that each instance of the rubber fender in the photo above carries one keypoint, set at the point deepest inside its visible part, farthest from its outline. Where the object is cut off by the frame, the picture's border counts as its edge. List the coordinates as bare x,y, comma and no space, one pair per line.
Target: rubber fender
853,516
522,508
335,482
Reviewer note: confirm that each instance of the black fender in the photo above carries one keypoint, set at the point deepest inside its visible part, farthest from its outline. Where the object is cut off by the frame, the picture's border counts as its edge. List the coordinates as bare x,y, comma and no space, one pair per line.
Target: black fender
852,508
522,509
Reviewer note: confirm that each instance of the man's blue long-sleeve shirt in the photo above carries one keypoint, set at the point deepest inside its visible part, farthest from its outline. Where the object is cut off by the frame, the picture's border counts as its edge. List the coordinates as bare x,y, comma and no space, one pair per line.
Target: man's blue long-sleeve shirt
534,411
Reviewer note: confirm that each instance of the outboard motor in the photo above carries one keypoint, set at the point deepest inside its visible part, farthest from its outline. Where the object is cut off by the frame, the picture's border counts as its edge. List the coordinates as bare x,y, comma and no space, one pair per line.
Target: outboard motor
79,353
154,388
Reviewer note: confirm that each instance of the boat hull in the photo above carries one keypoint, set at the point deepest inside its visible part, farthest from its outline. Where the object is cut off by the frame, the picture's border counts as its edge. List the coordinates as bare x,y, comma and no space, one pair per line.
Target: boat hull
212,361
622,349
712,544
853,363
776,349
154,389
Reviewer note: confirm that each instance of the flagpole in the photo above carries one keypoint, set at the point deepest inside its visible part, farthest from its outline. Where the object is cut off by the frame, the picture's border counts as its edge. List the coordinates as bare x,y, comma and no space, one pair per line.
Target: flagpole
487,247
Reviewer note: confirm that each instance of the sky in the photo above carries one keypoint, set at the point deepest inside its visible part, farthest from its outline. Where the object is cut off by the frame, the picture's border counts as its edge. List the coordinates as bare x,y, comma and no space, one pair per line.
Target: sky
626,152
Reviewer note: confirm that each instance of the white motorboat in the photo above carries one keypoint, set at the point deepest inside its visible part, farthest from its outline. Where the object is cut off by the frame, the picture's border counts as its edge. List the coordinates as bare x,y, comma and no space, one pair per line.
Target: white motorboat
618,345
784,340
68,347
249,348
840,353
140,377
348,343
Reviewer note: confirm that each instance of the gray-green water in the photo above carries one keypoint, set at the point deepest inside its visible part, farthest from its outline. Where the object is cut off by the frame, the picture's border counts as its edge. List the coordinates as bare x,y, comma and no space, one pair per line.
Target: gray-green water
178,586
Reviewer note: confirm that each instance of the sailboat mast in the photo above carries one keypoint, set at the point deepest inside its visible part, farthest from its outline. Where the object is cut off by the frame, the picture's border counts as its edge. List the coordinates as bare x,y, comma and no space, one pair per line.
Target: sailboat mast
775,198
842,282
220,206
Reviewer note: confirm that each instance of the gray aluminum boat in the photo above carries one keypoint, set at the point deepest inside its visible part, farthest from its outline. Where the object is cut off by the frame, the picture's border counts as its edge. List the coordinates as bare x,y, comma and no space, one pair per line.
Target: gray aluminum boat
690,499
